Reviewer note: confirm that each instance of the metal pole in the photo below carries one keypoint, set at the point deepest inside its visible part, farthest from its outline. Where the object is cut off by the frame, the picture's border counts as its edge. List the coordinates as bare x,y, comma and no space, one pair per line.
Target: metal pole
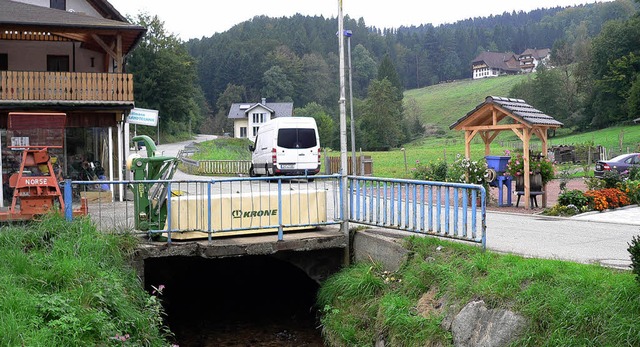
343,138
353,123
158,128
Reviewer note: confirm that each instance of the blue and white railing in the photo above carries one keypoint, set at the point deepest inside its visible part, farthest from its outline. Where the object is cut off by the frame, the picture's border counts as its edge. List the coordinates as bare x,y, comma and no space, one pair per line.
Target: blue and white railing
450,210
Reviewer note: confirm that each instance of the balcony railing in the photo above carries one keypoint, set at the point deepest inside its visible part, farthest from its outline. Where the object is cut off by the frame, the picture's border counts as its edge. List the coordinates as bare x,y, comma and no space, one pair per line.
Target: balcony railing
65,86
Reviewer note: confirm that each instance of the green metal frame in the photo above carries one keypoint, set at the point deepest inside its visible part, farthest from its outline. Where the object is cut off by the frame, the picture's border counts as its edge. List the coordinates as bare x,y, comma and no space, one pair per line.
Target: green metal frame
149,199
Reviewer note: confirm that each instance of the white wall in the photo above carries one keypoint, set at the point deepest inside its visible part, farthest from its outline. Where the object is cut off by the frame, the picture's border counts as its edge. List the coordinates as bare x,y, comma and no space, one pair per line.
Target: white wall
237,124
251,124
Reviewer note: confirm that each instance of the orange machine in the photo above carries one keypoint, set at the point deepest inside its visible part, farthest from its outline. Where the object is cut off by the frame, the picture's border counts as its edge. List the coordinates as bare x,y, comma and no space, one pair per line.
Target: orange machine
35,187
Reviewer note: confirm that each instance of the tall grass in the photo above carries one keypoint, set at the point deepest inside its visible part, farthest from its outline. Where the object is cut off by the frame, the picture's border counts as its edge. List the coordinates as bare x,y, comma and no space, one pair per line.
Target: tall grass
223,149
66,284
566,304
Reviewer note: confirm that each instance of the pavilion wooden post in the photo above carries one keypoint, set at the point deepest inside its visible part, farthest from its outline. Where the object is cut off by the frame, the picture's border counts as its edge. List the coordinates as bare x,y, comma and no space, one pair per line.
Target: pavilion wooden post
542,134
527,180
468,136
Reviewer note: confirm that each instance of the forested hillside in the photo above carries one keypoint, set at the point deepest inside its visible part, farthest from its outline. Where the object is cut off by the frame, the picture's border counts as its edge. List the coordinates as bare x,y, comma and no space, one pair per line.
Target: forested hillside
595,60
296,58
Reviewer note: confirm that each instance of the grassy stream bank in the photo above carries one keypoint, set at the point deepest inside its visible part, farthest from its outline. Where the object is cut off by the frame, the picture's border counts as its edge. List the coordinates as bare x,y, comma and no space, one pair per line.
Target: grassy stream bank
567,304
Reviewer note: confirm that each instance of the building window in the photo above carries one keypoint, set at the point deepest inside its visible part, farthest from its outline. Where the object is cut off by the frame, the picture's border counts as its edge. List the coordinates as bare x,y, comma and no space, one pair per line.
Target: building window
243,131
58,63
259,117
4,62
58,4
255,131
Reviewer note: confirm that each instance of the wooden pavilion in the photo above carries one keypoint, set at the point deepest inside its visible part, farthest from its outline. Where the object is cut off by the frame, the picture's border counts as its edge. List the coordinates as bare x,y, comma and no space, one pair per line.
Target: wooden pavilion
497,114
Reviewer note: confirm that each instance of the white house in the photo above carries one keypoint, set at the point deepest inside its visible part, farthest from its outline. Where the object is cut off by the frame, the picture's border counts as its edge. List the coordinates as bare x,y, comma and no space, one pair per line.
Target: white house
248,117
531,58
492,64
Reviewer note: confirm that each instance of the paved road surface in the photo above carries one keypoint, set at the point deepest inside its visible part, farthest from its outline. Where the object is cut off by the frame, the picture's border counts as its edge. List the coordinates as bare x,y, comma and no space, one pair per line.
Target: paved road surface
598,237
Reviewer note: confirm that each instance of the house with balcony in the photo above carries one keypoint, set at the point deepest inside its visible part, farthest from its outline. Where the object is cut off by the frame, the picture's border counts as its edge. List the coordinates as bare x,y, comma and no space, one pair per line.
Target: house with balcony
492,64
66,57
531,58
248,117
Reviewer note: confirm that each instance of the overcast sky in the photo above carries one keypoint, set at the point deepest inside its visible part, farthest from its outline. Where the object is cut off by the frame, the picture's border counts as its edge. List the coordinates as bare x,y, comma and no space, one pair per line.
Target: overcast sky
197,18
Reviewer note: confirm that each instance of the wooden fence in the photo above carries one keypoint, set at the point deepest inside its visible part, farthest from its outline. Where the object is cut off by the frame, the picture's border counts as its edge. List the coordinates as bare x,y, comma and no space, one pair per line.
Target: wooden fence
216,167
364,163
81,86
241,167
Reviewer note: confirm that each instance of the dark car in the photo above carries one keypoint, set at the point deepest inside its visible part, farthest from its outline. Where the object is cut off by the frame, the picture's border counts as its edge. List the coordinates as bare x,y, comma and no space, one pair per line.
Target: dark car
621,164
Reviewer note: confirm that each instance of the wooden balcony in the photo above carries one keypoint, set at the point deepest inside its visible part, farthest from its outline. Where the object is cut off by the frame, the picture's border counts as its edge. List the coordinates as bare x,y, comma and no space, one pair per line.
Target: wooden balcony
65,86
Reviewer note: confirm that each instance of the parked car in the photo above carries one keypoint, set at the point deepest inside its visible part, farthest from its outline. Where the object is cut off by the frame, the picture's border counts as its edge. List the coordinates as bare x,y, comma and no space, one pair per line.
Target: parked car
621,164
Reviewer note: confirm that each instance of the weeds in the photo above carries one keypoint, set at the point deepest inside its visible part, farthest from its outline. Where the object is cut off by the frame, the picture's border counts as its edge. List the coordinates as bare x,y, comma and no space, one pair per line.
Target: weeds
66,284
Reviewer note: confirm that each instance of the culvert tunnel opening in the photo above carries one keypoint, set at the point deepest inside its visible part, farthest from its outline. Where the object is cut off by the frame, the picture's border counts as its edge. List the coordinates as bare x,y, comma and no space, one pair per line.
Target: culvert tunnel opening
242,301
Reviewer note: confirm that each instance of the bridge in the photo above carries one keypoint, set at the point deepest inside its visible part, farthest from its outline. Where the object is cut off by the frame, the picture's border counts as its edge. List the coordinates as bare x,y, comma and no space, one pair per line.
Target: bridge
297,219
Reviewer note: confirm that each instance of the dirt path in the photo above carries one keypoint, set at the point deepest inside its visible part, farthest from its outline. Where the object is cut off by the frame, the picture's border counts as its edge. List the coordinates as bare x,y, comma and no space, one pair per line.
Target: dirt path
552,189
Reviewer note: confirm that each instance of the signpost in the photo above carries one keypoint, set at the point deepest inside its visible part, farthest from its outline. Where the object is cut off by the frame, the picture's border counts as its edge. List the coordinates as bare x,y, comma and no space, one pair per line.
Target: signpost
143,116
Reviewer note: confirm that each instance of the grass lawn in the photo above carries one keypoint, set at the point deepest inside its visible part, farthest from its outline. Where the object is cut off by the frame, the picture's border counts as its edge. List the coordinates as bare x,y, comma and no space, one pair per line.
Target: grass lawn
392,164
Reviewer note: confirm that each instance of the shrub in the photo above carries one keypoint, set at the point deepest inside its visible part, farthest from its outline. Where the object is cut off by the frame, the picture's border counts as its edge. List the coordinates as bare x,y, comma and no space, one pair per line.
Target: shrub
562,210
594,183
607,198
434,171
634,173
573,197
634,250
632,189
611,179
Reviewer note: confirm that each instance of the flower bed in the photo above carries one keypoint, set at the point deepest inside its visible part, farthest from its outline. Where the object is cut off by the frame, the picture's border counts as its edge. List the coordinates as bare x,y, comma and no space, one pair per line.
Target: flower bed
601,195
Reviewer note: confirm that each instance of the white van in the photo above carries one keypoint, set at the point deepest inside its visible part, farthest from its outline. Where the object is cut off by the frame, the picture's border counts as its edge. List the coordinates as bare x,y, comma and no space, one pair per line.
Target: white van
286,146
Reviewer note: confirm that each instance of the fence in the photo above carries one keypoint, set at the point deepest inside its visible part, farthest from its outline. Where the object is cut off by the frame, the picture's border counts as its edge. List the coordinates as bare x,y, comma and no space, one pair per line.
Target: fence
235,206
364,164
216,167
450,210
206,209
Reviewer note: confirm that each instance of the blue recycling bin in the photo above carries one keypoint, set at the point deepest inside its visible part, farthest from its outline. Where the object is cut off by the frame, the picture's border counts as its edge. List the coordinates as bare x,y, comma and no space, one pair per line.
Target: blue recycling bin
499,164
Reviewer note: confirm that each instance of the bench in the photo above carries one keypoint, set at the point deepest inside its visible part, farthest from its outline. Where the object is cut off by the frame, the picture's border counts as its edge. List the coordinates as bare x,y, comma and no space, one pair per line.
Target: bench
533,196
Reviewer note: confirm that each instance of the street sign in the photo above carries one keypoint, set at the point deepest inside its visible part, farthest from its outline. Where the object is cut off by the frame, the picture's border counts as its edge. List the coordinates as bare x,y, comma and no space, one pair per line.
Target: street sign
143,116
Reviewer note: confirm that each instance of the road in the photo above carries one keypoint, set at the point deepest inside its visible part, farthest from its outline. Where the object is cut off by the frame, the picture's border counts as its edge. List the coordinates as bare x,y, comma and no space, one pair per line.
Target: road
585,239
596,237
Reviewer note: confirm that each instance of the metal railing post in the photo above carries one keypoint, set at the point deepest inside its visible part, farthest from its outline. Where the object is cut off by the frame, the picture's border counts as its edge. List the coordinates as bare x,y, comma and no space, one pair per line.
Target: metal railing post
280,227
169,212
68,200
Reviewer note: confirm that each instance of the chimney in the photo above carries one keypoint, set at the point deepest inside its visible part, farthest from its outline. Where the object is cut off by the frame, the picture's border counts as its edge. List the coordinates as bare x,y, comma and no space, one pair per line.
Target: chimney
264,101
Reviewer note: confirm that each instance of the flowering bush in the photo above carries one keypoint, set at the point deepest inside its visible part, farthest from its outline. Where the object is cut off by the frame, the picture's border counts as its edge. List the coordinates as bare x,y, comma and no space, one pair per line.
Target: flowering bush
465,170
543,166
607,198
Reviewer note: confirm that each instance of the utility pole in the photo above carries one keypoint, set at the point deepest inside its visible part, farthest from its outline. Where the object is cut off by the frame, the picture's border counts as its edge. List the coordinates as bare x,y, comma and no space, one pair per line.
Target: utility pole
343,138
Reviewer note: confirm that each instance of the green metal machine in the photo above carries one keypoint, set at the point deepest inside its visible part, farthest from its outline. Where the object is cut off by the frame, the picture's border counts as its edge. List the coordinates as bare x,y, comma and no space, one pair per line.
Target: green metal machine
149,199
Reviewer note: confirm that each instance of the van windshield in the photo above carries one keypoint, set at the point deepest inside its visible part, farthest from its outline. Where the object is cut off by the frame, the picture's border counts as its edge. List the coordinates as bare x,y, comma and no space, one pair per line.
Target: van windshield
297,138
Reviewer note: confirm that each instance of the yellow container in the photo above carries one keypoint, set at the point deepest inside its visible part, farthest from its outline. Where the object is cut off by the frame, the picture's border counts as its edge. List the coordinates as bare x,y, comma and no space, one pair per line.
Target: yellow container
246,213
